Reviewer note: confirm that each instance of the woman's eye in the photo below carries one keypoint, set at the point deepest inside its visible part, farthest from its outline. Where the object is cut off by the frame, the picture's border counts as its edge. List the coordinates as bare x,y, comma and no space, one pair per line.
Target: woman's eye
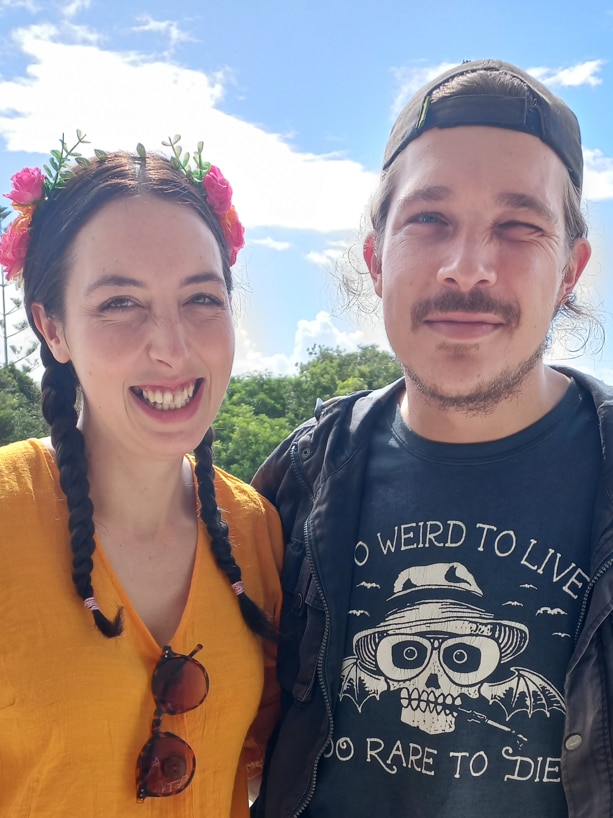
117,303
206,300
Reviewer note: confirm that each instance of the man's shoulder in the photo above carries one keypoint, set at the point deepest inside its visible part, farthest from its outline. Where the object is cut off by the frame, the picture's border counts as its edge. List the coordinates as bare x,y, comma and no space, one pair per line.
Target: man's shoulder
334,427
351,410
357,405
601,392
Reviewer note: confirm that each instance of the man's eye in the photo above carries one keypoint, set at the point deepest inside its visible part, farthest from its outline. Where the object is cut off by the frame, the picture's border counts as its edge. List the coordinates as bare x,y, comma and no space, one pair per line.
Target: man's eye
520,228
427,218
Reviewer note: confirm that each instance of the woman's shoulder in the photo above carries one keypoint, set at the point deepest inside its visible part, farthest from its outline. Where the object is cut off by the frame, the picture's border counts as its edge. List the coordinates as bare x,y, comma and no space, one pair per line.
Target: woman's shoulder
24,457
26,476
253,521
233,490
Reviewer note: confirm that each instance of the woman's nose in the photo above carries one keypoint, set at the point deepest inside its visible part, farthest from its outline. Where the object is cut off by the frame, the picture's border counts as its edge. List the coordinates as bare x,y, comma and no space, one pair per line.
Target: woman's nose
168,342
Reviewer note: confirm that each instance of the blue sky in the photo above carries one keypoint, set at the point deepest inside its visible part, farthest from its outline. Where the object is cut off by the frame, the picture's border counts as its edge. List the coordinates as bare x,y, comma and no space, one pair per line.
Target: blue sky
294,100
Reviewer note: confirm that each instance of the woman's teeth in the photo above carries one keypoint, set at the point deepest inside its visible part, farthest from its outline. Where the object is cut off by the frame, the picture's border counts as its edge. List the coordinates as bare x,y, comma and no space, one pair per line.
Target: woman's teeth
167,399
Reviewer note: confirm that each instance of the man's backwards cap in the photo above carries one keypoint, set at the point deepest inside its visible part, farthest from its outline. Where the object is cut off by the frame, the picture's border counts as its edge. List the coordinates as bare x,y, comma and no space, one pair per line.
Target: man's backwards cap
539,113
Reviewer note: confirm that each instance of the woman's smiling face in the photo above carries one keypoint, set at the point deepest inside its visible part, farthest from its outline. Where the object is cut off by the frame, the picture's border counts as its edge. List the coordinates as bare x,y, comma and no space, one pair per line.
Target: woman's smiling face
147,326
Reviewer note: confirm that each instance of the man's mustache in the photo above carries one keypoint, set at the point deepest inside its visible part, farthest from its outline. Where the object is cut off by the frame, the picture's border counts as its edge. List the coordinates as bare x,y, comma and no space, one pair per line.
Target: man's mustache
474,301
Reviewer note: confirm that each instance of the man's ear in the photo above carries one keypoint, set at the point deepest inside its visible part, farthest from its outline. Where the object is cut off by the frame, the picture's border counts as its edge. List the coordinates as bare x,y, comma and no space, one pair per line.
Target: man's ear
52,332
372,262
577,262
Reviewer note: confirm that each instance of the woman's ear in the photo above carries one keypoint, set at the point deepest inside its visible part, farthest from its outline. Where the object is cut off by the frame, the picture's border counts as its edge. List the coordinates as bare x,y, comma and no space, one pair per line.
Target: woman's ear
52,331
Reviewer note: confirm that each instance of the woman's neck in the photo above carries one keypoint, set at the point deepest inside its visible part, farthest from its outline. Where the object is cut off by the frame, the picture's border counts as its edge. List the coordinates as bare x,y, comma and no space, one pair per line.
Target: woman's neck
141,497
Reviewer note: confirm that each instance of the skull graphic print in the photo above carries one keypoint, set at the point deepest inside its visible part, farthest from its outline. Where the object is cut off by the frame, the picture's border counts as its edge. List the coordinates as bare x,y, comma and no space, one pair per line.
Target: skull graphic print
439,649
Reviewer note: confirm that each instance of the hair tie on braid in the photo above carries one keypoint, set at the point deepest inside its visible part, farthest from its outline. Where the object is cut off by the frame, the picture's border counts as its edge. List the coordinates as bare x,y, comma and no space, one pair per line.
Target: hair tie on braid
238,587
59,393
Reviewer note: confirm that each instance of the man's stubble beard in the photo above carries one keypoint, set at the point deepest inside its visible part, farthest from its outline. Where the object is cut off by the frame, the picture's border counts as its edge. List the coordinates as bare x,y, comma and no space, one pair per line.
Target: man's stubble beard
484,399
488,395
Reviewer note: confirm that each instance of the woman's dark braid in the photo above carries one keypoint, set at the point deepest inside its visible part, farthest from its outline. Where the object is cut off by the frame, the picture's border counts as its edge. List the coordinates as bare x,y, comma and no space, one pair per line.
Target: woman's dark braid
59,395
253,615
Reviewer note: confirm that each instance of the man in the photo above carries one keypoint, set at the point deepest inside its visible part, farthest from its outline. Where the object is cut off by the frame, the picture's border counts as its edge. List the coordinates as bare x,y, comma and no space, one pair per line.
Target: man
446,645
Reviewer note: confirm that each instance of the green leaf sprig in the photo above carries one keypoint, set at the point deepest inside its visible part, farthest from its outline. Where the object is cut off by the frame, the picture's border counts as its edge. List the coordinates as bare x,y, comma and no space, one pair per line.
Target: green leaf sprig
181,159
59,171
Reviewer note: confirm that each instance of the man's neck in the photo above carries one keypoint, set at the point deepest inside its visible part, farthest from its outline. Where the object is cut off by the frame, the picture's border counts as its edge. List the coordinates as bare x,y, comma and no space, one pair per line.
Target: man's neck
538,394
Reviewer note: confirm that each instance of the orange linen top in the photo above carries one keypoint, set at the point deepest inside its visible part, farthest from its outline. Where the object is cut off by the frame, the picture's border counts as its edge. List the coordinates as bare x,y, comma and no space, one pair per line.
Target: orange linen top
76,708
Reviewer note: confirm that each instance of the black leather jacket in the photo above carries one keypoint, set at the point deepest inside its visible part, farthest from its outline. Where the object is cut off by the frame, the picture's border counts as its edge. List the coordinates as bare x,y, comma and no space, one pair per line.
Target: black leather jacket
315,480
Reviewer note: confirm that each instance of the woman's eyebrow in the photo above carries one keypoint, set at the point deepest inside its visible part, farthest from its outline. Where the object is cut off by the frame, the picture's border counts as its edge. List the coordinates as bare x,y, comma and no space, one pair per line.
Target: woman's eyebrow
113,280
116,280
201,278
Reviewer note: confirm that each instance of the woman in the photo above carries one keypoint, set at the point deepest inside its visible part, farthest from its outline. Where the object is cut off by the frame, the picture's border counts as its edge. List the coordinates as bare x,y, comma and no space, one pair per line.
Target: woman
125,261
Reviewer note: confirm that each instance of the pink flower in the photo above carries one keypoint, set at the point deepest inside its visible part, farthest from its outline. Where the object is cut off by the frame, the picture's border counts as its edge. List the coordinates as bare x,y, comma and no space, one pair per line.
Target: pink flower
27,186
13,249
218,191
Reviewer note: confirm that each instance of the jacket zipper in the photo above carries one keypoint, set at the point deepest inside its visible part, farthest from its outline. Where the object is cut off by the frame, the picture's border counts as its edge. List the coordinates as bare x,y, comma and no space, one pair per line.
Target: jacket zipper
324,642
588,592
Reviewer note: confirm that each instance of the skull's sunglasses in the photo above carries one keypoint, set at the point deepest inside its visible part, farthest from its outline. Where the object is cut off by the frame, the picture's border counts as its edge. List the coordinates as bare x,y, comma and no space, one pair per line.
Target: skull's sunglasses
166,764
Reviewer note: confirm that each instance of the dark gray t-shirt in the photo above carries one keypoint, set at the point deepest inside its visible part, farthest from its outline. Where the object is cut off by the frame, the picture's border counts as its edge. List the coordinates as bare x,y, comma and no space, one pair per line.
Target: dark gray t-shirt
469,573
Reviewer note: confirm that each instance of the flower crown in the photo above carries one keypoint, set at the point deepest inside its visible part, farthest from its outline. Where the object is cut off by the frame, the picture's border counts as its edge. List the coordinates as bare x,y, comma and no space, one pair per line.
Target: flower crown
31,187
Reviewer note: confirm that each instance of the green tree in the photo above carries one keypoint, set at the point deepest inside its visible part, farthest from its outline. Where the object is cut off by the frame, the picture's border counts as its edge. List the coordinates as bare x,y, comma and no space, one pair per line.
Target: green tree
260,410
20,413
266,394
12,327
332,372
244,439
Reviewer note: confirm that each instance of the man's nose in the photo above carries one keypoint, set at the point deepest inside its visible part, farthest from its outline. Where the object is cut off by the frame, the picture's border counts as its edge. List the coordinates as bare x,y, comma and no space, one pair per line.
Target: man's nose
470,263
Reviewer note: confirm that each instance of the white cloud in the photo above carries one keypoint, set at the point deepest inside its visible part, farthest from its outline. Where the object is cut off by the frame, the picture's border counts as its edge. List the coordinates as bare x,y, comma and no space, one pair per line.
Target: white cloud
584,73
319,331
329,257
322,331
119,99
598,175
272,244
74,7
127,86
168,28
248,358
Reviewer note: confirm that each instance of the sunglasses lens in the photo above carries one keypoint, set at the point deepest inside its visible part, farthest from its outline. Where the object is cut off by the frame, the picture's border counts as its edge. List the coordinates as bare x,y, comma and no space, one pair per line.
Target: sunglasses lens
165,766
179,684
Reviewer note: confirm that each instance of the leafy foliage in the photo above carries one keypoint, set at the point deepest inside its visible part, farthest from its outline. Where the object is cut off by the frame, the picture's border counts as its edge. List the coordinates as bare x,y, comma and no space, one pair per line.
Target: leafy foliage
181,158
59,169
11,328
20,413
260,410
